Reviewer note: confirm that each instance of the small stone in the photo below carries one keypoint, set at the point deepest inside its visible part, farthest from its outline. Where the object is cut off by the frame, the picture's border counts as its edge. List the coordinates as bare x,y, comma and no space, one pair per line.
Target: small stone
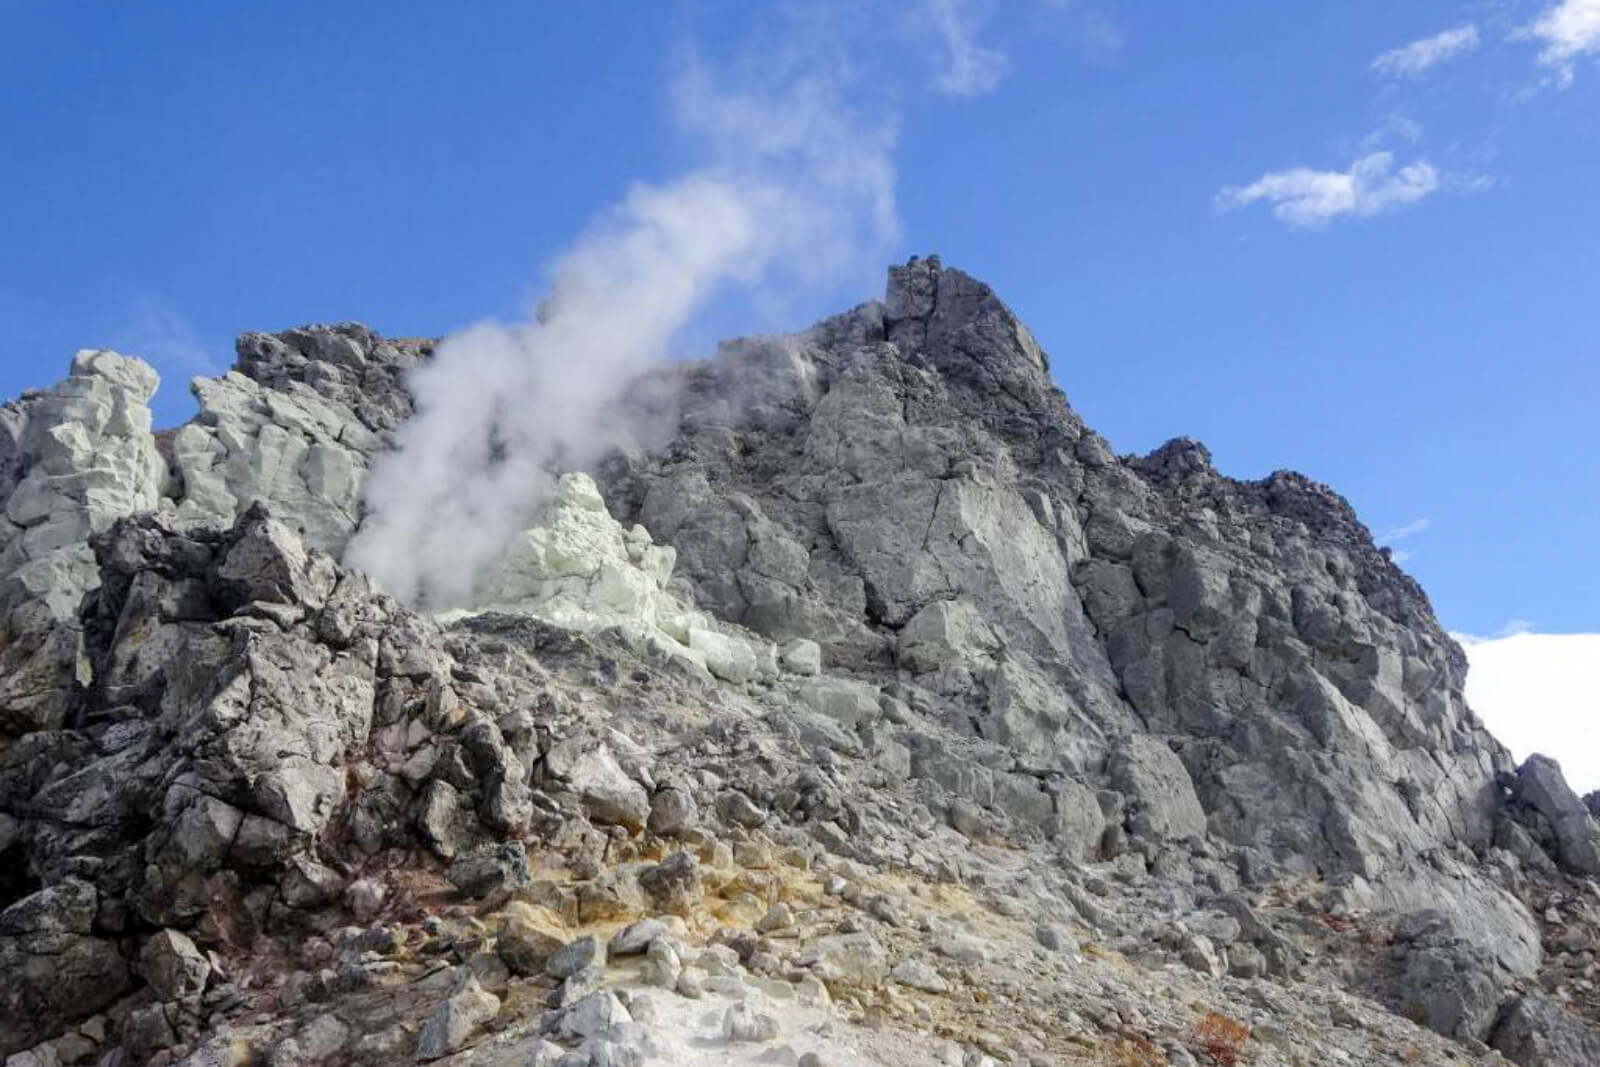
661,966
364,897
778,917
173,966
673,812
919,975
847,959
736,808
455,1019
802,656
489,870
674,884
323,1037
528,937
593,1016
574,956
691,983
810,991
1053,939
636,937
742,1023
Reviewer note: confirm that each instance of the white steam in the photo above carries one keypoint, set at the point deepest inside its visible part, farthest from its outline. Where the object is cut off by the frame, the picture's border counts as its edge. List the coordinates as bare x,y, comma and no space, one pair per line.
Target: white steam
795,187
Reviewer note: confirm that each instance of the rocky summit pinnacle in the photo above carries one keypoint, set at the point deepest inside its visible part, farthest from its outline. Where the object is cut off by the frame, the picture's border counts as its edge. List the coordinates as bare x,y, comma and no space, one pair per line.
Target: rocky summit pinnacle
883,714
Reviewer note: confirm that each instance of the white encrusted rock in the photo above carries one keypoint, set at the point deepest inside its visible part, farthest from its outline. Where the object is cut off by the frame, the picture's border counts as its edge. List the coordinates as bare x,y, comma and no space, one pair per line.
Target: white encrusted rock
583,570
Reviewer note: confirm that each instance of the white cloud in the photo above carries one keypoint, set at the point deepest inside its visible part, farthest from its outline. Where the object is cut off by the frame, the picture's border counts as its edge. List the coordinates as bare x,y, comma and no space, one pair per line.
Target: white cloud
1403,531
1567,30
1540,693
1311,199
1419,57
970,68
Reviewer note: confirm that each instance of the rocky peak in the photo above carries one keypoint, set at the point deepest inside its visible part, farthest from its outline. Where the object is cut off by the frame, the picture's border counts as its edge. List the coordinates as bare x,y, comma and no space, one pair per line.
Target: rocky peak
875,689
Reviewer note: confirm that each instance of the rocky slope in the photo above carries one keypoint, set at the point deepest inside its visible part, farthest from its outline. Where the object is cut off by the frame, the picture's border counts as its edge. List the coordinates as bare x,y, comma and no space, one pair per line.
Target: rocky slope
883,716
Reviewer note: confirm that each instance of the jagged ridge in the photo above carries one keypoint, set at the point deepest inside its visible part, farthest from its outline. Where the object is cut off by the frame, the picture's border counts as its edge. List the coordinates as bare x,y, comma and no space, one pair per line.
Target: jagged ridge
1147,675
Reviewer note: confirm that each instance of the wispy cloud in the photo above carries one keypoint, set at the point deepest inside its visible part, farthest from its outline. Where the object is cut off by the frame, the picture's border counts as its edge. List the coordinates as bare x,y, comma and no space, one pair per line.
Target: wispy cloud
1403,531
1539,692
1393,128
1417,58
163,337
967,66
1568,31
1311,199
1102,38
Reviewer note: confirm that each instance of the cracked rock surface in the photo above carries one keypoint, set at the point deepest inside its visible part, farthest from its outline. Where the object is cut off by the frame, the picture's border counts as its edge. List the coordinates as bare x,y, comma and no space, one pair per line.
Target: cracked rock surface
883,715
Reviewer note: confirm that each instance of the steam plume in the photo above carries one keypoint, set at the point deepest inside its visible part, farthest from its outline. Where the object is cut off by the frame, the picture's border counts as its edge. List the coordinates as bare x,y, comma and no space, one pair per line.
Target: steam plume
795,186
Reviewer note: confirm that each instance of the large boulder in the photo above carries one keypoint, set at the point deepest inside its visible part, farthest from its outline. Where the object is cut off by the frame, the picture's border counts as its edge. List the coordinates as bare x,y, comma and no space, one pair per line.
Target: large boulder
1154,778
54,970
1541,786
1535,1031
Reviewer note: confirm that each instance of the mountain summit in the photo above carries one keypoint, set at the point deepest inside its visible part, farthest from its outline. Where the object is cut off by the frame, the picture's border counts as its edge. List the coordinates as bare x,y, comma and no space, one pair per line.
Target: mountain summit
870,710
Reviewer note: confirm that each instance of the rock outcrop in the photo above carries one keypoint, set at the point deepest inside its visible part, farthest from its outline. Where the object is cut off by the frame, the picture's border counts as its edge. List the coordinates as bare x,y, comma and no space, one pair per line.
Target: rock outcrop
884,693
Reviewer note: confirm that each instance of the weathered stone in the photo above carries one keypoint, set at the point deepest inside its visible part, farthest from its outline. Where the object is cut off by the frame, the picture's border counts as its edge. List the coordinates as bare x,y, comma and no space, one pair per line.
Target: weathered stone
574,956
1535,1032
451,1024
593,1016
1541,785
846,702
802,656
917,974
1150,773
674,884
729,658
743,1023
53,971
527,937
172,966
847,960
490,870
673,811
608,794
636,937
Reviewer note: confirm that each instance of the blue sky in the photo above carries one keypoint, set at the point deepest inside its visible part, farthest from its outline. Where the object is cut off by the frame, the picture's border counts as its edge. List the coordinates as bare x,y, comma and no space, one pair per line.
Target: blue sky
1359,239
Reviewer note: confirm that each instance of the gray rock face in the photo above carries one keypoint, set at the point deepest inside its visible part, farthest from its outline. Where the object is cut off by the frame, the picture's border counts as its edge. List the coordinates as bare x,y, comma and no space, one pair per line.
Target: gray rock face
294,426
74,460
910,487
1159,689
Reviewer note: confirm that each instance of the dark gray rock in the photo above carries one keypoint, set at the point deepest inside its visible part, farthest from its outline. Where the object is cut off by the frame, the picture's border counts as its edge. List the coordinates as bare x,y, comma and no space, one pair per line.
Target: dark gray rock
53,969
1542,787
1536,1032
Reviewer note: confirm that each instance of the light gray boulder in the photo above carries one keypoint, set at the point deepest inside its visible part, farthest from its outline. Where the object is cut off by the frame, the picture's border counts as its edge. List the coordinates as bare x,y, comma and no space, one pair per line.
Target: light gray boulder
453,1021
609,795
1155,779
